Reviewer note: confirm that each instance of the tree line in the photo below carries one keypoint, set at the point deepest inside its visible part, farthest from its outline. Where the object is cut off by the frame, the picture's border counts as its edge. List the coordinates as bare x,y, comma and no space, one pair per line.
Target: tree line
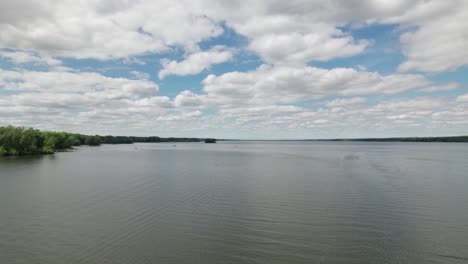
409,139
421,139
18,141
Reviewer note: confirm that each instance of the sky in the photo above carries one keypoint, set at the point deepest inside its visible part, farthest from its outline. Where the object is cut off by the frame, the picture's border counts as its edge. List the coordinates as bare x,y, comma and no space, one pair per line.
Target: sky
260,69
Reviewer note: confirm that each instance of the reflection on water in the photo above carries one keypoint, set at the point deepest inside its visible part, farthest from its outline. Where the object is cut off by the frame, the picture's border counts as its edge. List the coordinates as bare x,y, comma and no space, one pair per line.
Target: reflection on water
237,202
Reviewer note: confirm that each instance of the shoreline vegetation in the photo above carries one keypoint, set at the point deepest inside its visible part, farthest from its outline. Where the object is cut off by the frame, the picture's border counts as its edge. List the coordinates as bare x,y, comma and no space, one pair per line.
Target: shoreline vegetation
409,139
22,141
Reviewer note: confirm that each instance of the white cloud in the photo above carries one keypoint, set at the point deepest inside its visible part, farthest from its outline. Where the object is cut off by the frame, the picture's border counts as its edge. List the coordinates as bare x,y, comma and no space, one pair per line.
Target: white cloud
277,84
88,102
140,75
109,29
456,117
408,105
299,31
444,87
75,93
346,101
291,32
69,82
288,36
189,99
180,117
196,62
374,118
438,45
101,104
439,42
21,57
462,98
285,40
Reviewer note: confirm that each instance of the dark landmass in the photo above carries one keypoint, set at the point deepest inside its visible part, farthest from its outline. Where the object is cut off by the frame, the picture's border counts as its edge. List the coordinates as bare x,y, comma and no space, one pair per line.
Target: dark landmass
392,139
409,139
19,141
210,140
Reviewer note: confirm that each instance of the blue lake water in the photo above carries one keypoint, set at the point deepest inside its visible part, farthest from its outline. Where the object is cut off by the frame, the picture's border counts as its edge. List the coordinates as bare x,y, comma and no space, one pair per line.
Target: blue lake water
237,202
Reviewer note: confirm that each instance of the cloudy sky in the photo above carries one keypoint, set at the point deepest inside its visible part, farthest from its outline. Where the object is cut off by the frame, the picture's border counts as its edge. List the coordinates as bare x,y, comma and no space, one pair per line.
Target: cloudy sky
236,69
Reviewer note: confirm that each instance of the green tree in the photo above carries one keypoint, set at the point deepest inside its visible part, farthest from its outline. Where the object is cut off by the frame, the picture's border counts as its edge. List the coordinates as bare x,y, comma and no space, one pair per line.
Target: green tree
93,140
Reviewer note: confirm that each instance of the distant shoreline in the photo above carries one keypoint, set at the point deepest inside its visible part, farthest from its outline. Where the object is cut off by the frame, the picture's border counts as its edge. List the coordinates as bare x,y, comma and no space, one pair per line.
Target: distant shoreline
409,139
449,139
22,141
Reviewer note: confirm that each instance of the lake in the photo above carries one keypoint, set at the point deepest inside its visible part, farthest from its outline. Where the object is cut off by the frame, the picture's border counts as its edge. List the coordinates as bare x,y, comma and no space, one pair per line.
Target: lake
237,202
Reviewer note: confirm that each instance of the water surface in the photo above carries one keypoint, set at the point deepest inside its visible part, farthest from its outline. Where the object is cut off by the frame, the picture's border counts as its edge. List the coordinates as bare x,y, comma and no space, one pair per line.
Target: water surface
237,202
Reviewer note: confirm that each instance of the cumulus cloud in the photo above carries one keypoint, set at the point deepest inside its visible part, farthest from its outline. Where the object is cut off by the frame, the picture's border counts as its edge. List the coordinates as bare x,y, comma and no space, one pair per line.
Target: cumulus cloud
76,93
278,84
89,102
462,98
140,75
435,37
285,93
21,57
103,103
70,82
111,29
289,40
439,44
444,87
364,119
309,30
196,62
189,99
292,32
346,101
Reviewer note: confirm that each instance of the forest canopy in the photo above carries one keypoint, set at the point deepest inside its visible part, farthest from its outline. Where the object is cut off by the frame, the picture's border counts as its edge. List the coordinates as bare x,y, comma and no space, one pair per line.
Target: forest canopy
18,141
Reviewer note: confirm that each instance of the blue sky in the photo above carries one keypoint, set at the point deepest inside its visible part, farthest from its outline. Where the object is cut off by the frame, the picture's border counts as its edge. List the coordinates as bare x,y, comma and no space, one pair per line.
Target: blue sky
274,70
